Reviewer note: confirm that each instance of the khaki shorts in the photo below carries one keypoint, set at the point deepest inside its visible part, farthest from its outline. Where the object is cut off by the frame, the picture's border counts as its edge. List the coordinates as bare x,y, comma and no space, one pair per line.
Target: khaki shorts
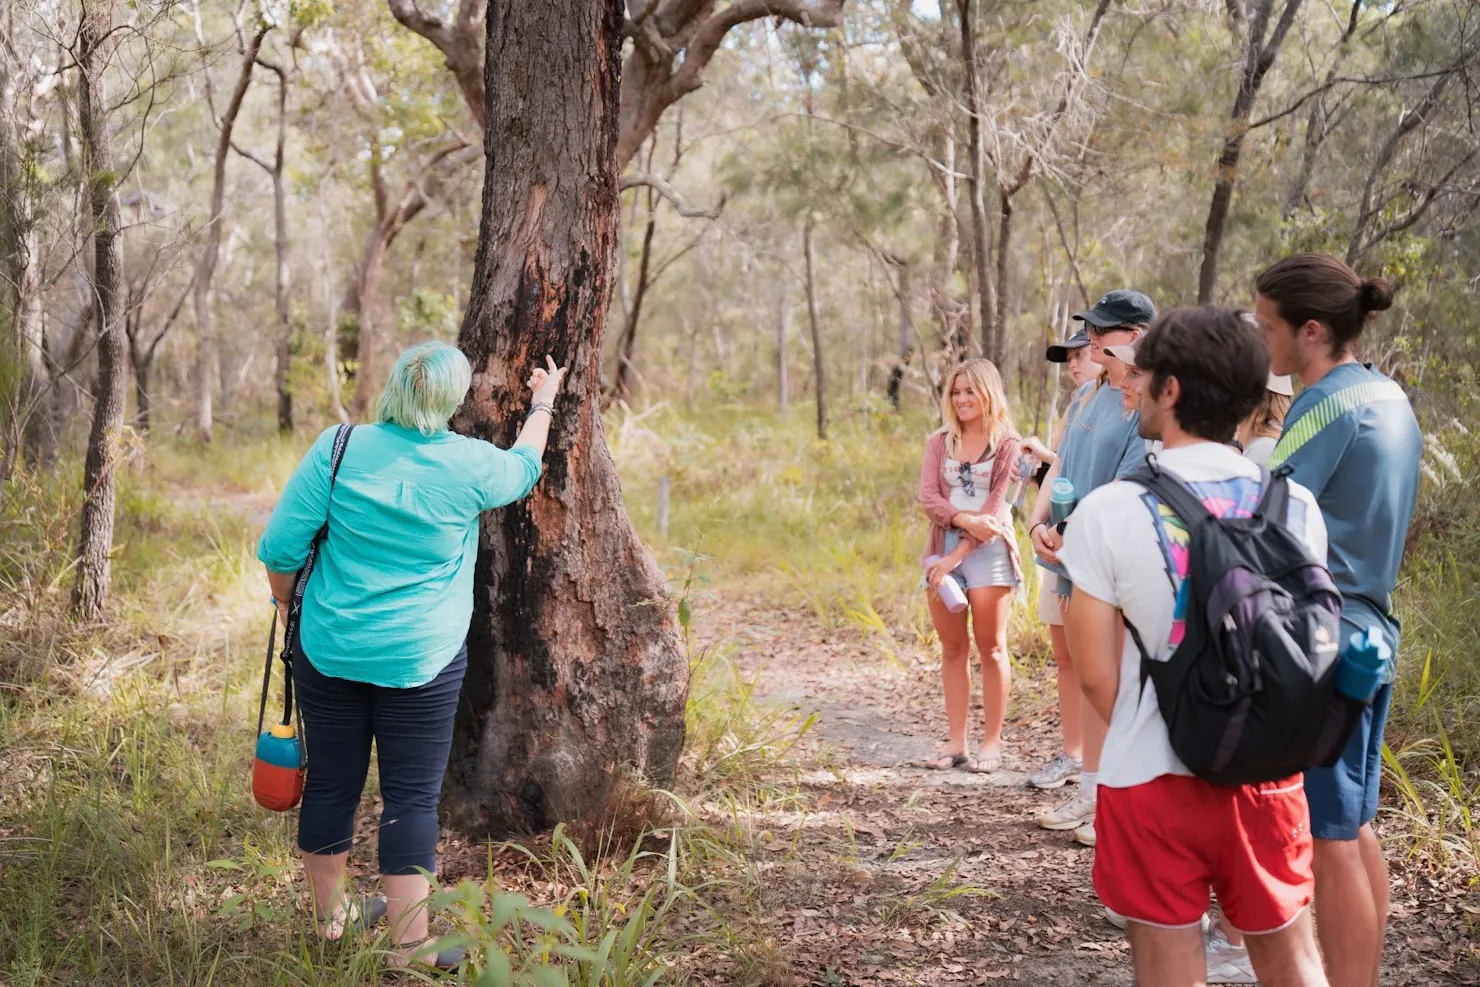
1049,610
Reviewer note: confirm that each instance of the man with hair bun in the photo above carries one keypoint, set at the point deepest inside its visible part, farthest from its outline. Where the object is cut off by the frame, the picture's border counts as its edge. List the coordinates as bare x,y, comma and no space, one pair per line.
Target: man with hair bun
1351,439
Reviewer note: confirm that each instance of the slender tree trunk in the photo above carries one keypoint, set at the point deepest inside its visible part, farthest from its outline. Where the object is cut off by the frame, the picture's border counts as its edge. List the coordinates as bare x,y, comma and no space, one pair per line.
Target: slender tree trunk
282,276
359,301
99,476
906,344
141,395
1004,258
20,265
783,330
1259,56
986,295
810,251
576,674
627,345
205,269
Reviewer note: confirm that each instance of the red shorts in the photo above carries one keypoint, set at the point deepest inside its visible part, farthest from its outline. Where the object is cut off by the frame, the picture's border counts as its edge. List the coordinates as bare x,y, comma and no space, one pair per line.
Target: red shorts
1163,845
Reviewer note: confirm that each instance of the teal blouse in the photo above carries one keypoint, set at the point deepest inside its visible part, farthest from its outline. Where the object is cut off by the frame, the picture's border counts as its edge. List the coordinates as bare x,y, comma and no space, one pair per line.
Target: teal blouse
391,594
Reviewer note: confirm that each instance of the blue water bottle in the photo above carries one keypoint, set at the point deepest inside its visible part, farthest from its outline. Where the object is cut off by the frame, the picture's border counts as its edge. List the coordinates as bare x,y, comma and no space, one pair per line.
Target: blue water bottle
1363,667
1061,501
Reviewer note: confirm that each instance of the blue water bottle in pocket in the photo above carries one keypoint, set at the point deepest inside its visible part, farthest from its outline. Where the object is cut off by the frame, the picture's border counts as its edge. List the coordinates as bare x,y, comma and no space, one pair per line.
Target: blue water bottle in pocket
1364,665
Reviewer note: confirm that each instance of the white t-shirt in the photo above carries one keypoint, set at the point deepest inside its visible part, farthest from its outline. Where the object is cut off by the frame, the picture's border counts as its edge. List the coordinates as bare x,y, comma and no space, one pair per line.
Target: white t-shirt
1124,547
971,496
1260,450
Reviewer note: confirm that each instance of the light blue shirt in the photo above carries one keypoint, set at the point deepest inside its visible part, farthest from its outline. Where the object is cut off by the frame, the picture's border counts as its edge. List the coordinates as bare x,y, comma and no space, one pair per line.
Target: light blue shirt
391,594
1101,442
1358,451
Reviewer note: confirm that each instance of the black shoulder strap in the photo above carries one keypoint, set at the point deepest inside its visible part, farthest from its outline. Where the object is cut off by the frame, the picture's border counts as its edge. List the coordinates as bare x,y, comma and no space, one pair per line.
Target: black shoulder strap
295,608
1274,498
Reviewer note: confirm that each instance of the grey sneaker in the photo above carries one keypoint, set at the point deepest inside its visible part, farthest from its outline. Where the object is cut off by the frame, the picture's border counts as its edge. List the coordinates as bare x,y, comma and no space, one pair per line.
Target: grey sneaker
1085,835
1227,963
1056,773
1069,815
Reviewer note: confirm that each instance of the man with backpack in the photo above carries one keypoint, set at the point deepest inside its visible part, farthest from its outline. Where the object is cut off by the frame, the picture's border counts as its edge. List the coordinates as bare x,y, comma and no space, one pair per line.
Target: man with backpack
1352,439
1217,570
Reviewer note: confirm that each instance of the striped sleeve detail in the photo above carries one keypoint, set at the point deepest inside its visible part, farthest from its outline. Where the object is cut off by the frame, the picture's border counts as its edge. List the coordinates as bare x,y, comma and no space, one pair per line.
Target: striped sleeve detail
1332,407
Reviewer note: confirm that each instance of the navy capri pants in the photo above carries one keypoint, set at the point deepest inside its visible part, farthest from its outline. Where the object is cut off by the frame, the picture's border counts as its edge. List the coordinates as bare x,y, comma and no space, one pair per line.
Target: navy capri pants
412,732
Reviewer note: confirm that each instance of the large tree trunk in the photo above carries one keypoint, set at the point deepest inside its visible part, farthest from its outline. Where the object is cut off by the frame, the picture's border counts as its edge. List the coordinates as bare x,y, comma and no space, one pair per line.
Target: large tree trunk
986,295
205,268
576,675
809,251
99,476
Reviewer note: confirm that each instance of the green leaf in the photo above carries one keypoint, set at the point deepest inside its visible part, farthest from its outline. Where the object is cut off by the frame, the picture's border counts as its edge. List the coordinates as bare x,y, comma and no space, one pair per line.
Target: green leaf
497,971
685,614
547,976
231,904
224,865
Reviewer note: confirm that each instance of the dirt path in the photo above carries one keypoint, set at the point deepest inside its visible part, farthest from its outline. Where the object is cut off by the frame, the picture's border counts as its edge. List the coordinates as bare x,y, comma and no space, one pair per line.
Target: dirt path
861,884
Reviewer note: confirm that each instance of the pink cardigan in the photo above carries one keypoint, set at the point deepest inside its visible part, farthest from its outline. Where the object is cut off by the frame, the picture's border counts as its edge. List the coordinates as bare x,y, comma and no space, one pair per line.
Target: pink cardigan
935,496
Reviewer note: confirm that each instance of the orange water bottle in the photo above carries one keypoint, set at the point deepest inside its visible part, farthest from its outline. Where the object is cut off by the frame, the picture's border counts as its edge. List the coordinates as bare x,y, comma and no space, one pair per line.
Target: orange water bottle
277,772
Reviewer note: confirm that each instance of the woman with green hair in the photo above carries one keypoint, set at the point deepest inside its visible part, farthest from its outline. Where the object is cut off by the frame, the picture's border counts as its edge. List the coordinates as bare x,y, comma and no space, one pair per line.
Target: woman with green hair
381,642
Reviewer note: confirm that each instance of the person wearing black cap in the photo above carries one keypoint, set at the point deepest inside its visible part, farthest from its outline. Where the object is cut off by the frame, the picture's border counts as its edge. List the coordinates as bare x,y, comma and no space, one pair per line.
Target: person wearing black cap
1065,766
1102,444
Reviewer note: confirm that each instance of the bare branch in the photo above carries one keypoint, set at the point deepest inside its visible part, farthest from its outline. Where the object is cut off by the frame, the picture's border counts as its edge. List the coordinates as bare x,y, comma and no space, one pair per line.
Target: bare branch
667,191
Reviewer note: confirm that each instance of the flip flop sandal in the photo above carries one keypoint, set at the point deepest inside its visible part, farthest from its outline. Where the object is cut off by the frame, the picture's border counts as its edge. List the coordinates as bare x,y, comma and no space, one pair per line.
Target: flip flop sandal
935,762
368,912
985,765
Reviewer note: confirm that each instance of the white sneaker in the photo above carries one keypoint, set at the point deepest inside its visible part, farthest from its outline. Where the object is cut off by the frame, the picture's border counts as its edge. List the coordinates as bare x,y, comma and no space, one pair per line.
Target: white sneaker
1085,835
1069,815
1227,963
1056,773
1116,919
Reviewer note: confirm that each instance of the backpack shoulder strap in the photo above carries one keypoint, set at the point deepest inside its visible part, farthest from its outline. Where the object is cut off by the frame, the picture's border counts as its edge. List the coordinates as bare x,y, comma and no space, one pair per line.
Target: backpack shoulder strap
1274,496
1171,490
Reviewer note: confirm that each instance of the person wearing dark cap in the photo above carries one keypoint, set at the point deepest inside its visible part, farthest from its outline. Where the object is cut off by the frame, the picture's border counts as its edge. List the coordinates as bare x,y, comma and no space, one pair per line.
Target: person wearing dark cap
1102,444
1066,765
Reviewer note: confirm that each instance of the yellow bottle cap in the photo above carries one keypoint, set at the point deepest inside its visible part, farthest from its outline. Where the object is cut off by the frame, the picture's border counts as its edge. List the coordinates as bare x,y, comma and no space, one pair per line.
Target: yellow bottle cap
284,730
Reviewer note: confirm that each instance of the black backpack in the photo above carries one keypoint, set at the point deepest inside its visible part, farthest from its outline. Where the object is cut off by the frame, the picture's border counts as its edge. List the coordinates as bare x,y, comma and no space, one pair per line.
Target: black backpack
1250,694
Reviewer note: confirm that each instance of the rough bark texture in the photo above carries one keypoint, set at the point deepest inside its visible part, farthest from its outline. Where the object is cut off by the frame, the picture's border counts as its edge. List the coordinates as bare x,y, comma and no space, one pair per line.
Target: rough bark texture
20,262
205,269
99,475
576,675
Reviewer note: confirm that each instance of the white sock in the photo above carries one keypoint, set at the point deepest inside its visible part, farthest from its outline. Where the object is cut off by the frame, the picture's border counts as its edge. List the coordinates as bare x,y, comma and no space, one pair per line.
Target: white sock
1088,783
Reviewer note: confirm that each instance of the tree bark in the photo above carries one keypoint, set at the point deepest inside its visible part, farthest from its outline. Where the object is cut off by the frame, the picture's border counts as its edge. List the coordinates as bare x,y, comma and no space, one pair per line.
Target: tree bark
809,249
1259,56
205,268
20,266
986,290
576,675
1004,257
99,476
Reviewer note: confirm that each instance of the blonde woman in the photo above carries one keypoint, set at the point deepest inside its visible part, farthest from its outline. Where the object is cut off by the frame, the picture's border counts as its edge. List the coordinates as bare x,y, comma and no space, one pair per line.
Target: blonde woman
968,466
1261,430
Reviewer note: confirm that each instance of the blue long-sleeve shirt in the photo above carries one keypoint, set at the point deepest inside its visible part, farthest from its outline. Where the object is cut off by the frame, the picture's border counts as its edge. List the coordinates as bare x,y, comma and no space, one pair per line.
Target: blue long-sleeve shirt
391,594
